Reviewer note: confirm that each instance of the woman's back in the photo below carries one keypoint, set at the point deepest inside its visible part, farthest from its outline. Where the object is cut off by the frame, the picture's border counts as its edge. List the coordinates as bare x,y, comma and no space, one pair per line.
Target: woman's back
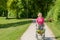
40,20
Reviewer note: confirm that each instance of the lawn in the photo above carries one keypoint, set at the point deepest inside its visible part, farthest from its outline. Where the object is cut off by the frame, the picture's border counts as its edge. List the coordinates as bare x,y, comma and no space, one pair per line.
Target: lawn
13,29
55,28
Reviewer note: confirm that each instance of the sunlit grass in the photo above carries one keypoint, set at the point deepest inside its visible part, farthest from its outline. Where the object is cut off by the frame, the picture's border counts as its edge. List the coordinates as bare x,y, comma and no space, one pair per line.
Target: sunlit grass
55,28
12,29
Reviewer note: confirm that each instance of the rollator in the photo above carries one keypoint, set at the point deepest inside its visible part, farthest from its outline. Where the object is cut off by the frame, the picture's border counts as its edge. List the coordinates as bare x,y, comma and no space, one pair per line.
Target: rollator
40,31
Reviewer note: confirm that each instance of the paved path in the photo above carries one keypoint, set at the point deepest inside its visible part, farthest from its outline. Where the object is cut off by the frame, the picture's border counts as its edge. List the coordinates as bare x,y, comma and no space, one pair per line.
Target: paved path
31,31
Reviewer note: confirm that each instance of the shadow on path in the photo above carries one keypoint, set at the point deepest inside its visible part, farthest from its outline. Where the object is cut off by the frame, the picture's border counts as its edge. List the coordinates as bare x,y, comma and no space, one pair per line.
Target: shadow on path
49,38
57,37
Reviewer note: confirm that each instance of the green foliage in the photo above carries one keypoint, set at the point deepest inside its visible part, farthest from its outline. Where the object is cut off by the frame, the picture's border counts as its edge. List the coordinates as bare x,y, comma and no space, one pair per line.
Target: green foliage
3,7
16,7
26,8
12,14
54,12
3,4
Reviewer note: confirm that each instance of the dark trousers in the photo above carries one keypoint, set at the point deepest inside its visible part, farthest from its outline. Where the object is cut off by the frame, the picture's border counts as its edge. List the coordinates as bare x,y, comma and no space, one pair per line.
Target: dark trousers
41,27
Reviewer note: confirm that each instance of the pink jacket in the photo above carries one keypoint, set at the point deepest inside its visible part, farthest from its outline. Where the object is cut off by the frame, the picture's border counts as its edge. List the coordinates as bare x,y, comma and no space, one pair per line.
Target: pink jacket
40,21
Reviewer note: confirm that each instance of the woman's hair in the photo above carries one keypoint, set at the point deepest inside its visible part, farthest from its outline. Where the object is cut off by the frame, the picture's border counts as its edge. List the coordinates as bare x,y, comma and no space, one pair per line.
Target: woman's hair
39,14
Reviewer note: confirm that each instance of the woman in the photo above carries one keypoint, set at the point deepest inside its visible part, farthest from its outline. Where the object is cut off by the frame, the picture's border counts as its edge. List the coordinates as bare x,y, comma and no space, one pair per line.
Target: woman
40,21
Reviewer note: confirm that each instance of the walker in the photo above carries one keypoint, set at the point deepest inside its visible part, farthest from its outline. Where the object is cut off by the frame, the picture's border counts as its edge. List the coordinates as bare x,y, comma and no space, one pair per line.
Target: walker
40,33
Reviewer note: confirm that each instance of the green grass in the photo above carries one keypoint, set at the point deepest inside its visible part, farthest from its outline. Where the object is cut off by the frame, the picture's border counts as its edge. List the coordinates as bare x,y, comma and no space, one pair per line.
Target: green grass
13,29
55,28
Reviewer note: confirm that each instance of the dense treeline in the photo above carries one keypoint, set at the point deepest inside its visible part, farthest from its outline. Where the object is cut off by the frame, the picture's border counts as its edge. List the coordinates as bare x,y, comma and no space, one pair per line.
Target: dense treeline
24,8
3,7
54,13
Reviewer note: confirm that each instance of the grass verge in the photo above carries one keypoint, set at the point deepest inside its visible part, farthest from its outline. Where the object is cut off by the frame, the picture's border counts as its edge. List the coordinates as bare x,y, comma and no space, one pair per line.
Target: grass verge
55,28
12,29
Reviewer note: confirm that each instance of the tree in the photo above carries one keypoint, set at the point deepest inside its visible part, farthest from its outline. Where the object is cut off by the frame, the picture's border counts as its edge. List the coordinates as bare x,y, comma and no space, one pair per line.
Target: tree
54,12
3,7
